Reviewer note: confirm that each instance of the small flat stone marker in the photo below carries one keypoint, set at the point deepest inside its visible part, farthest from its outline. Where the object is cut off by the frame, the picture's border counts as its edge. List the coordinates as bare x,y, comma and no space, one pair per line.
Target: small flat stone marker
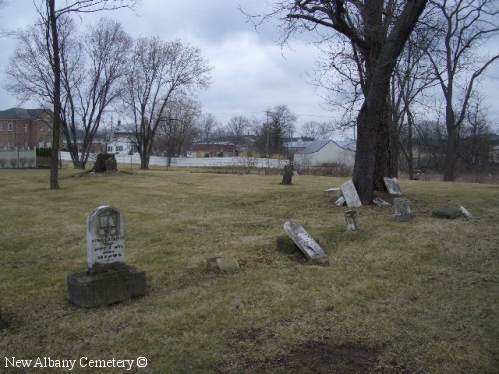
310,248
446,213
402,209
393,186
351,220
466,213
350,194
380,203
224,264
108,279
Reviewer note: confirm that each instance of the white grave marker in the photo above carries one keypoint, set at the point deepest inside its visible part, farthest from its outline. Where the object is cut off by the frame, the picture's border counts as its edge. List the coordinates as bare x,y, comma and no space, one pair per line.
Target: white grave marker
393,186
106,236
310,248
350,194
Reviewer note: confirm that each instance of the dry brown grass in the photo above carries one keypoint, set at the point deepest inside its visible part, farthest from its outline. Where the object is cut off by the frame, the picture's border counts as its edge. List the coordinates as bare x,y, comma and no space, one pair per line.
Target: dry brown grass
398,297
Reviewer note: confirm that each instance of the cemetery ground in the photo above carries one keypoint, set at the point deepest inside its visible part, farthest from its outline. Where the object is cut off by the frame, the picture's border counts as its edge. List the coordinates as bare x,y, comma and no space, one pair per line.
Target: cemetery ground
419,296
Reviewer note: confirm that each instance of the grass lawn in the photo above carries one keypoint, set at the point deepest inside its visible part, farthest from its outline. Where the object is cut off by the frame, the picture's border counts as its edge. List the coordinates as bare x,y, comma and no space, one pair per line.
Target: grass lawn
397,297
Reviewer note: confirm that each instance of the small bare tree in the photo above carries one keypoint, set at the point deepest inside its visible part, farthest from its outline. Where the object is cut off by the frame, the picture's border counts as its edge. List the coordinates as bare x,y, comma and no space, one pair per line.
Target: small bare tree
158,72
49,17
463,26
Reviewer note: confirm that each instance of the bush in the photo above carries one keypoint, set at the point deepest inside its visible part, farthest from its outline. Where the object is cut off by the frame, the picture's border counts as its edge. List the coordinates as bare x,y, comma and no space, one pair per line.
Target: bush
13,163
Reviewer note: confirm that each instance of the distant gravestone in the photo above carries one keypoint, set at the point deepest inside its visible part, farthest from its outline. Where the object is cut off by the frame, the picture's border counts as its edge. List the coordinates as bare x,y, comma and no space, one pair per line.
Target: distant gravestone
402,209
309,247
350,194
223,264
108,279
393,186
380,203
351,220
287,174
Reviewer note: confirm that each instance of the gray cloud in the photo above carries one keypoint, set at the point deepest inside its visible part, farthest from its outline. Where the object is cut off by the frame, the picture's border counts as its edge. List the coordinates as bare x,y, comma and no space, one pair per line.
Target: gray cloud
250,71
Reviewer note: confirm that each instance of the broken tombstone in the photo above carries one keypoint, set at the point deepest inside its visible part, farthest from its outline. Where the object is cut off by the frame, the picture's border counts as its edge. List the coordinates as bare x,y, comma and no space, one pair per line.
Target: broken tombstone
108,279
351,220
350,194
393,186
307,245
333,192
402,209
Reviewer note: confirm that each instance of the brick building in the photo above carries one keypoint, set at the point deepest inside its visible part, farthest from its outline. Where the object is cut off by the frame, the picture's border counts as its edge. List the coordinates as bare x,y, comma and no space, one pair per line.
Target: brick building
25,128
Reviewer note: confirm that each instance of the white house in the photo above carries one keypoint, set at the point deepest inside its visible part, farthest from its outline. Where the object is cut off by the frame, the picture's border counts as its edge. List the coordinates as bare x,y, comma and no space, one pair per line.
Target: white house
322,152
122,143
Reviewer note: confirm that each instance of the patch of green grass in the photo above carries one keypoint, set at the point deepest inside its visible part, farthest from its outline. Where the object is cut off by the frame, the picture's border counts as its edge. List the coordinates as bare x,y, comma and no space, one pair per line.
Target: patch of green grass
410,297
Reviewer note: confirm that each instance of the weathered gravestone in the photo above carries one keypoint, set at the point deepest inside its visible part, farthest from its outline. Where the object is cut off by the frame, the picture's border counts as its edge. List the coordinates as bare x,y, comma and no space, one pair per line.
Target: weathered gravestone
351,220
350,194
340,201
402,209
287,174
223,264
309,247
393,186
108,279
333,193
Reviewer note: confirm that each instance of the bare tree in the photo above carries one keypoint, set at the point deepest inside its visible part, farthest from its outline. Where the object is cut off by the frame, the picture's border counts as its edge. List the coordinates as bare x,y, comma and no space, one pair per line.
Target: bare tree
237,128
208,125
105,51
317,130
49,17
376,31
178,130
158,71
411,78
278,125
464,26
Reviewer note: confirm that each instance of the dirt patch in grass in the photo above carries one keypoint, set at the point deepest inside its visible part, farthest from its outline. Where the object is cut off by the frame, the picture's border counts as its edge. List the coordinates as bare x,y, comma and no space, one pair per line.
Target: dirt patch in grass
315,357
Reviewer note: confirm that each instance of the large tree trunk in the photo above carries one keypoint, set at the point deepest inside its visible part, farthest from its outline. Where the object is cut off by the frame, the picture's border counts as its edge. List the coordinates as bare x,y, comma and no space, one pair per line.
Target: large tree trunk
56,129
451,146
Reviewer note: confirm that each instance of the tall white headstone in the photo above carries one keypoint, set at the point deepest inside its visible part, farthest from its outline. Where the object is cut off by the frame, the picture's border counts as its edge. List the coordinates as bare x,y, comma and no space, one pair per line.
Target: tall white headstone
350,194
106,238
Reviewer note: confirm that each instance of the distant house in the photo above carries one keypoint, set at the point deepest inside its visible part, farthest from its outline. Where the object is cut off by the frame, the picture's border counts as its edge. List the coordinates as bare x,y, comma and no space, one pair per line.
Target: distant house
122,143
297,145
213,149
25,128
320,152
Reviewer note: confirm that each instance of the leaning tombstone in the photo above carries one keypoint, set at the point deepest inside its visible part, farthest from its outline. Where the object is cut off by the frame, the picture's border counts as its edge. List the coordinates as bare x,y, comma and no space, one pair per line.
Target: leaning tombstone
380,203
350,194
108,278
402,209
393,186
307,245
351,220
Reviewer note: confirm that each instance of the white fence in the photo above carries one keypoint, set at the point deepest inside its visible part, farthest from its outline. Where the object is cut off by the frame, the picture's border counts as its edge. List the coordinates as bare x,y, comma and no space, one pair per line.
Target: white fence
17,158
187,162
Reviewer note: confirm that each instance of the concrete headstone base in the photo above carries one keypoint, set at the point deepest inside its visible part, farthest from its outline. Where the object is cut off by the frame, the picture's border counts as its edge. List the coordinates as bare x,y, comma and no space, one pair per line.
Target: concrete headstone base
104,288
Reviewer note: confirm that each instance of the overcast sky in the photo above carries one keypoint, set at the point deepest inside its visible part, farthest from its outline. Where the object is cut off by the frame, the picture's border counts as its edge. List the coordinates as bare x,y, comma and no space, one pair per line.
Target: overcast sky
251,72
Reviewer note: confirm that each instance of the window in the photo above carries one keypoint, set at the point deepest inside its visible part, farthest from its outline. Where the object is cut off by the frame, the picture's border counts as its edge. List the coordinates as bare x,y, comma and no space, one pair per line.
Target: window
109,148
25,127
10,127
119,148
